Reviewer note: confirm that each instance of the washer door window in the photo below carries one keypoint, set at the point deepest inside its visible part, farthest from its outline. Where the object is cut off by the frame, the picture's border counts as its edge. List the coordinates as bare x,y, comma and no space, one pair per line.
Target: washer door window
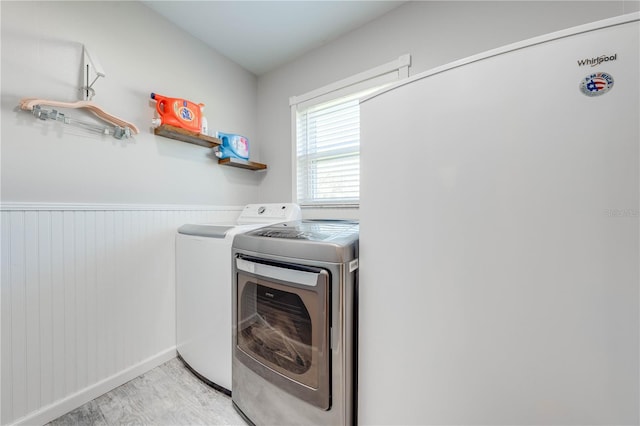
283,326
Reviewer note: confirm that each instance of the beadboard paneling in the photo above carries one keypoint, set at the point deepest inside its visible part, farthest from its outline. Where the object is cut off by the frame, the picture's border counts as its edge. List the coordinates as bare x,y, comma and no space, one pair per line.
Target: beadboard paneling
87,293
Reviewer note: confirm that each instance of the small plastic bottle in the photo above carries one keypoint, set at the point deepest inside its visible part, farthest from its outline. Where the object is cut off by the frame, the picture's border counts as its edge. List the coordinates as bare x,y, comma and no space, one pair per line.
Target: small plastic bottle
203,122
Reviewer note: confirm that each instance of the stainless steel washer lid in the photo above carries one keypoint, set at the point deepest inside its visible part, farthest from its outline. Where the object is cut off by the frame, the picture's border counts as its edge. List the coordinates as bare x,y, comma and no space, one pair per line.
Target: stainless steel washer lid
319,240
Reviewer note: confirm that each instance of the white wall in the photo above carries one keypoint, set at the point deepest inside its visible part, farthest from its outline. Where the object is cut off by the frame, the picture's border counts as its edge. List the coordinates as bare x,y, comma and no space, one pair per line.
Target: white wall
88,221
141,53
434,33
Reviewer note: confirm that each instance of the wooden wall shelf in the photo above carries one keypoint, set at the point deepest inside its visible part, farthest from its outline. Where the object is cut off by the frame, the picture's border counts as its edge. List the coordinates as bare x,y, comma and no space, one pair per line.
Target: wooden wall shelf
183,135
243,164
186,136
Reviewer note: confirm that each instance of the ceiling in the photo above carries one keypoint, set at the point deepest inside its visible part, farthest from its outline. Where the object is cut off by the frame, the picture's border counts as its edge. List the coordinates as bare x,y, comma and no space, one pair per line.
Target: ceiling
262,35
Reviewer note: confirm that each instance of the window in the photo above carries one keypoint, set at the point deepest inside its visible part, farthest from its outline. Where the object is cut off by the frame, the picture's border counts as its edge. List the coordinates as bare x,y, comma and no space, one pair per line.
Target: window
326,137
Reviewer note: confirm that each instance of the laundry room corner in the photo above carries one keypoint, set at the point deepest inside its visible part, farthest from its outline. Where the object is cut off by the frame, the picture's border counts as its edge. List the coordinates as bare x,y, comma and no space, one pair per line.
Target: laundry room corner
390,212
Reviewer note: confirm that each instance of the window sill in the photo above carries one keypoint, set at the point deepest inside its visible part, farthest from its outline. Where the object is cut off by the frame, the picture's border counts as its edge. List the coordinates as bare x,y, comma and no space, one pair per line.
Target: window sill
351,212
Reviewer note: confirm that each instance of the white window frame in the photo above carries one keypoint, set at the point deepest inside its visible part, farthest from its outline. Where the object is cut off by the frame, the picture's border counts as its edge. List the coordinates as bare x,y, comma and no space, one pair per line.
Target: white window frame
379,76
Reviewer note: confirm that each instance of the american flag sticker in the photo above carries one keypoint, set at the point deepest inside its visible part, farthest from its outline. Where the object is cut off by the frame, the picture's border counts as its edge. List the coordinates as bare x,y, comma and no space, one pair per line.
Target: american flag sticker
596,84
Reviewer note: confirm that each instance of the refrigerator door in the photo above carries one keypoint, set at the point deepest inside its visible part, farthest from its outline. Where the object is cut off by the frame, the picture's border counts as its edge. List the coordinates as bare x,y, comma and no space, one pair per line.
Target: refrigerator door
509,286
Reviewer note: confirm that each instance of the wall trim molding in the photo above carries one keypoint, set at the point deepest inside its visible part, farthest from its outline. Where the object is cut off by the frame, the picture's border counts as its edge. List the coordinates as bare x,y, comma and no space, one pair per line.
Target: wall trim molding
64,274
32,206
71,402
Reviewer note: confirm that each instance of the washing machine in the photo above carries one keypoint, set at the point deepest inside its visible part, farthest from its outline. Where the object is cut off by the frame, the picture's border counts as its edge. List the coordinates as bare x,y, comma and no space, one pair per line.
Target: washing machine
203,289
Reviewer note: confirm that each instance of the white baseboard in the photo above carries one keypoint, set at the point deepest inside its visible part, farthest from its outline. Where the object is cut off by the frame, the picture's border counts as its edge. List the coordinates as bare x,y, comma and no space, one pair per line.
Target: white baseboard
71,402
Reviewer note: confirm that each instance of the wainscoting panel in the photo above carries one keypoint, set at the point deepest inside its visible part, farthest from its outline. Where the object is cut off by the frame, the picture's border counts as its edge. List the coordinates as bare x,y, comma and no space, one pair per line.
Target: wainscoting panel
88,292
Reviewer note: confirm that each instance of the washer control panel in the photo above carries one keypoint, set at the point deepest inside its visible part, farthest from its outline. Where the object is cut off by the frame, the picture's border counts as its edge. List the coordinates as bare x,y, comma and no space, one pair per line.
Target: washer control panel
269,213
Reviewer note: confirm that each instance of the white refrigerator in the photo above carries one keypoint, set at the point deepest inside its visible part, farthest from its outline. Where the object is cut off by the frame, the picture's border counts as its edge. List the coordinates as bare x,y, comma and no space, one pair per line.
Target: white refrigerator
499,237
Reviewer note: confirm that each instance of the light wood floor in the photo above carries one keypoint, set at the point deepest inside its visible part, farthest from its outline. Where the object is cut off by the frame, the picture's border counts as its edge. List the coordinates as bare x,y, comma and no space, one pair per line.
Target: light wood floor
166,395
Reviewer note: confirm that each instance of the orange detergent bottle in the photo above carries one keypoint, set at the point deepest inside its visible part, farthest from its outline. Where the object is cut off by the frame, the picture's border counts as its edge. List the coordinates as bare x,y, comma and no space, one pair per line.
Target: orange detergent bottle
179,112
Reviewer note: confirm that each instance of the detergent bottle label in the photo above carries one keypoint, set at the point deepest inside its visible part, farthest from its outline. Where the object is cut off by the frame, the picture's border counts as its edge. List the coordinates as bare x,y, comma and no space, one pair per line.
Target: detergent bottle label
183,111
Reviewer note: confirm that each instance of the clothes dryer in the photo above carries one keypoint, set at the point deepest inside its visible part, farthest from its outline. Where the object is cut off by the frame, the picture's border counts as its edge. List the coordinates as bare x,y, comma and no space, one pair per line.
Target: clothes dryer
203,289
295,302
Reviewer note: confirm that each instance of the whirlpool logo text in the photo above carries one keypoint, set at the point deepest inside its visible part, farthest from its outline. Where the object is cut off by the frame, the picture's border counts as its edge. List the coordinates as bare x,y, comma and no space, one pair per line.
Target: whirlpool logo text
598,60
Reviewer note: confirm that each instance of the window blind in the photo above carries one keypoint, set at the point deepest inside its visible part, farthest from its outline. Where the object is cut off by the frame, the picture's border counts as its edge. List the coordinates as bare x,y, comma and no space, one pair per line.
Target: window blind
329,153
327,136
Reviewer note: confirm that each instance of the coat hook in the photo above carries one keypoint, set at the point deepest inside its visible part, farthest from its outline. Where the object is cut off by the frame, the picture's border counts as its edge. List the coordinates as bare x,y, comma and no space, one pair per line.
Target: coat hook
92,71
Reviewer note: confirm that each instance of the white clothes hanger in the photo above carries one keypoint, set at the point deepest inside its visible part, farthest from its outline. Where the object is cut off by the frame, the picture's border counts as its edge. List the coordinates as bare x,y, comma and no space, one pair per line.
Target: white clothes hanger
28,104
